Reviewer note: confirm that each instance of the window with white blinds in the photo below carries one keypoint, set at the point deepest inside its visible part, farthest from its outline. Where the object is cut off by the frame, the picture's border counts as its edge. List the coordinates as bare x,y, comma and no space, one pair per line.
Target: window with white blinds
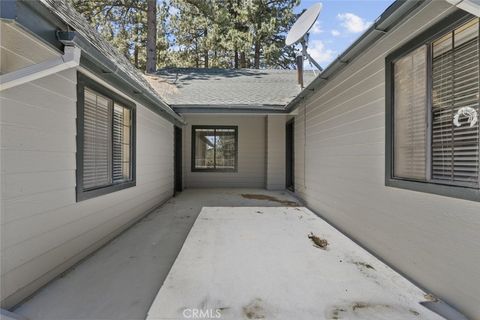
105,158
455,93
435,109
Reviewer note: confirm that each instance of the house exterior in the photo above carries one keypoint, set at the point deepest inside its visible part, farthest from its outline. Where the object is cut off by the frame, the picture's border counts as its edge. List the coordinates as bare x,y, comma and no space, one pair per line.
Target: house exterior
252,102
48,222
375,144
428,230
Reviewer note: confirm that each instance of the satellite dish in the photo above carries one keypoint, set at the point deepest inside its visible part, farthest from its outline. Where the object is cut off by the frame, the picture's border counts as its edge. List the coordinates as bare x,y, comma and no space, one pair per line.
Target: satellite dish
299,31
303,24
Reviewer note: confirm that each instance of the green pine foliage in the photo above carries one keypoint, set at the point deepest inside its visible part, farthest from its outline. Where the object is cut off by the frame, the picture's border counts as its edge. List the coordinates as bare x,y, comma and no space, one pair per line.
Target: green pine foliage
198,33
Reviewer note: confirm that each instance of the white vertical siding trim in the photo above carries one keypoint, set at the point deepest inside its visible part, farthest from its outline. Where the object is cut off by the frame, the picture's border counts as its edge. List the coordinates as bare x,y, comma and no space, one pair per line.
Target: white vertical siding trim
275,152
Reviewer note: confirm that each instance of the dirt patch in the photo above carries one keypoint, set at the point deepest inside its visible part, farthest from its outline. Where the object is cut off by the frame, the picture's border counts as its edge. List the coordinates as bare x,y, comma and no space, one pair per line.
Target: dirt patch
337,313
359,305
363,265
254,196
254,310
415,313
430,297
367,310
318,242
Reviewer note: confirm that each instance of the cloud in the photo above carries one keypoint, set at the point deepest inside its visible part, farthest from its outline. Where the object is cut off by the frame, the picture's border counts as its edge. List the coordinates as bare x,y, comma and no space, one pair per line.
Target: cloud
316,29
319,52
353,23
335,33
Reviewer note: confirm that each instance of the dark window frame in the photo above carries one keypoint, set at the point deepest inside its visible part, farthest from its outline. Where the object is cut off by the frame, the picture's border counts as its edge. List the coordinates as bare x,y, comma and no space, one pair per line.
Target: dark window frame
82,82
446,25
193,143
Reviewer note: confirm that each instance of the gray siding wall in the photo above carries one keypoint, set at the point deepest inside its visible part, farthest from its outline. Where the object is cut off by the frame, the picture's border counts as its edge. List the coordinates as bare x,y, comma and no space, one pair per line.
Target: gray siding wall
251,153
43,229
340,173
275,175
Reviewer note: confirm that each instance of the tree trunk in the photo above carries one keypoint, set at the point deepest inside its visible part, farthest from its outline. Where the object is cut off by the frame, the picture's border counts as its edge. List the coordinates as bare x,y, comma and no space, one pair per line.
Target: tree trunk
235,59
136,49
205,54
135,55
243,61
197,59
151,36
256,61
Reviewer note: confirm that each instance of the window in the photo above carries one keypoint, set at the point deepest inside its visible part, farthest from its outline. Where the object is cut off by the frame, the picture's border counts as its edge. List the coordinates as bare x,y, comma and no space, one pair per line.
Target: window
105,140
433,108
214,148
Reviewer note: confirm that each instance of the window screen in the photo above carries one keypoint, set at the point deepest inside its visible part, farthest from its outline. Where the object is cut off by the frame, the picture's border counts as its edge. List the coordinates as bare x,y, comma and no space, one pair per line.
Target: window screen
214,148
97,147
121,143
410,74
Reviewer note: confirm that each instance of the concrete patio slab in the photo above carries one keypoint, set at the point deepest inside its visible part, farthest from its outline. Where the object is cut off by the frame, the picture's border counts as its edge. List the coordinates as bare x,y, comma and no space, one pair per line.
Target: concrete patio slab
120,280
260,263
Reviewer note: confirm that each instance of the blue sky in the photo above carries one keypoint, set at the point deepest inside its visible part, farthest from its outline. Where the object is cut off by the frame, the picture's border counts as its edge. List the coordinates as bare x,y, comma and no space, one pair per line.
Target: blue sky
340,23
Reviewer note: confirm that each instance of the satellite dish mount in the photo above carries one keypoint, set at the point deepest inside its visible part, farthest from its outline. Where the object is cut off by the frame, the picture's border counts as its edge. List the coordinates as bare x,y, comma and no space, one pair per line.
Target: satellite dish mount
304,44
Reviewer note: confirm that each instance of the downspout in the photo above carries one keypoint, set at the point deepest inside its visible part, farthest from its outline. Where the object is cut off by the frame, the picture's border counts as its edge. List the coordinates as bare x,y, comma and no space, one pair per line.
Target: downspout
69,59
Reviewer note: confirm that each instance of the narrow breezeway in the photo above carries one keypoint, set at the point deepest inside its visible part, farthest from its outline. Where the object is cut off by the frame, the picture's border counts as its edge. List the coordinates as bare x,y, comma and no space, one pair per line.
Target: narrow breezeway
121,280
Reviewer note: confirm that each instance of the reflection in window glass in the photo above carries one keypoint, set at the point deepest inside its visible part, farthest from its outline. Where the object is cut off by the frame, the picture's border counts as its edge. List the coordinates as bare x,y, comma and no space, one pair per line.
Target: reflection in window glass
205,148
225,149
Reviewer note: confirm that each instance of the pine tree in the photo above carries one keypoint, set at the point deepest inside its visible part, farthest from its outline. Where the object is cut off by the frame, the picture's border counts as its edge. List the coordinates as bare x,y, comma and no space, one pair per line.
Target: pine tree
151,36
196,33
124,24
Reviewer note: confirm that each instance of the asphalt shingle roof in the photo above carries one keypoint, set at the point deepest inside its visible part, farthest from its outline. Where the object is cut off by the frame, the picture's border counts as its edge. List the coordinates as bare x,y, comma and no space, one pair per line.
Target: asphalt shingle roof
265,89
262,88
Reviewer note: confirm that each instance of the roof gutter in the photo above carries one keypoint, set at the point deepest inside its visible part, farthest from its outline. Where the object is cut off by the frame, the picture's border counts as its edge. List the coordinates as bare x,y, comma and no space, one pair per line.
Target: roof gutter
389,19
70,59
228,108
97,63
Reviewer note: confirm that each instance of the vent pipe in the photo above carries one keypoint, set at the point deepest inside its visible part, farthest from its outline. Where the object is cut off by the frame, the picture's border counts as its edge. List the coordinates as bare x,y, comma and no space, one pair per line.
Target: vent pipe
300,70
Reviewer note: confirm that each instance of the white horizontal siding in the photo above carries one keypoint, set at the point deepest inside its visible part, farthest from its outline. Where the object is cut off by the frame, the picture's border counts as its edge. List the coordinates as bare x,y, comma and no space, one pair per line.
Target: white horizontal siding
432,239
44,230
251,153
